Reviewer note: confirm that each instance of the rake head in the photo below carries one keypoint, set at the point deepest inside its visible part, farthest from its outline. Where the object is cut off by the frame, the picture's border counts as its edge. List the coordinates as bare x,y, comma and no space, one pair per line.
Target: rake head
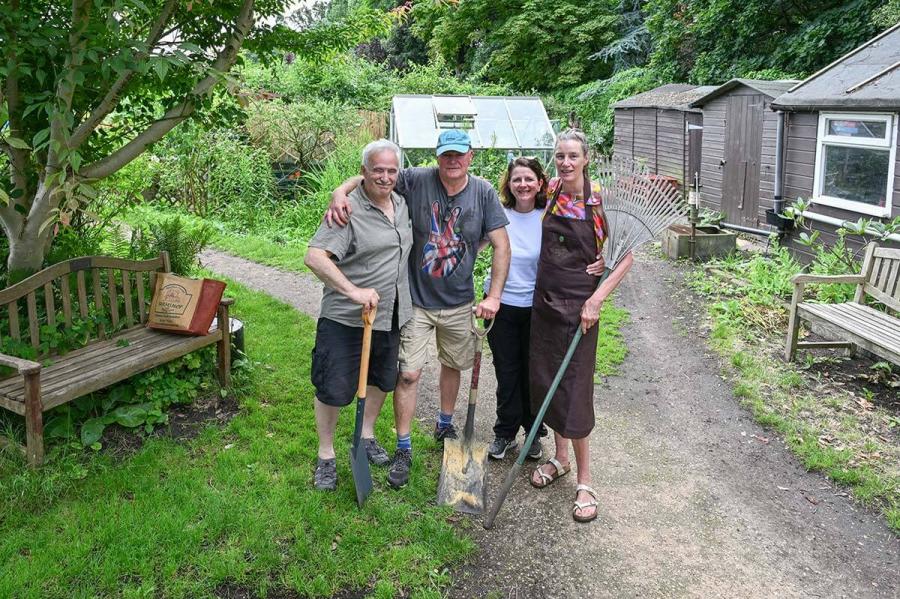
637,207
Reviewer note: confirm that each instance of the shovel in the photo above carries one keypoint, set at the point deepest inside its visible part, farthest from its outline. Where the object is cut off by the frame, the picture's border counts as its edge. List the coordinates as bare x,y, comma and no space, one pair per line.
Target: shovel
359,462
463,473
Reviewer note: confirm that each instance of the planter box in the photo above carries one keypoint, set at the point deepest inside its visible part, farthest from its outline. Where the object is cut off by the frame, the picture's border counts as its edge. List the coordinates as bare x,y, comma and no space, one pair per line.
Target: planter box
709,242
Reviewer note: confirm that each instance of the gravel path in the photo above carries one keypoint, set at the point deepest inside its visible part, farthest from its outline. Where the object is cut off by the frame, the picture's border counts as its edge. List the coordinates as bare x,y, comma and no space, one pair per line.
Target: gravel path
696,499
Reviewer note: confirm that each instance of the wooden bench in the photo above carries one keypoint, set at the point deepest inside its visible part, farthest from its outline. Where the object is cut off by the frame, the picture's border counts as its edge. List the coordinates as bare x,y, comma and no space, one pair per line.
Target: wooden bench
114,295
858,324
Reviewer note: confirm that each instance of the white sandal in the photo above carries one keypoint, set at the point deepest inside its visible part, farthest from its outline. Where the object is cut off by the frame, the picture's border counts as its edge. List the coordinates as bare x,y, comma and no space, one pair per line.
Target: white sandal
581,505
546,479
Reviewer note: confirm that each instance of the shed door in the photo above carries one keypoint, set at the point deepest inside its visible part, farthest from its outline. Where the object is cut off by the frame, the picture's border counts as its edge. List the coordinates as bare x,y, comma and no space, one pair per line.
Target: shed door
743,151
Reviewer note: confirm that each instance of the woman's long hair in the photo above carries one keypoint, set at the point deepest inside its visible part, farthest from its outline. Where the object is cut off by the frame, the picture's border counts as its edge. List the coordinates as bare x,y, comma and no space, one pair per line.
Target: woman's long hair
506,195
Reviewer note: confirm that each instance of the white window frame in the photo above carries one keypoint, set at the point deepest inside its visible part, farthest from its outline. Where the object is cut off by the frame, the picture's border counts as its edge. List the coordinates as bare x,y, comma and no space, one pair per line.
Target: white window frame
823,140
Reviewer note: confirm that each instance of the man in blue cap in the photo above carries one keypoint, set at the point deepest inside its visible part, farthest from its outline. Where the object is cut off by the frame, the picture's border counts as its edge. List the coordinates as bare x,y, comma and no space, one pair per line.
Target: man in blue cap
451,213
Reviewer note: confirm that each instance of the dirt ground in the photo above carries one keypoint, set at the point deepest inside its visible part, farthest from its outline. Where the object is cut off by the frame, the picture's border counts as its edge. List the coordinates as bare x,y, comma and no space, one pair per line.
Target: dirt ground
696,500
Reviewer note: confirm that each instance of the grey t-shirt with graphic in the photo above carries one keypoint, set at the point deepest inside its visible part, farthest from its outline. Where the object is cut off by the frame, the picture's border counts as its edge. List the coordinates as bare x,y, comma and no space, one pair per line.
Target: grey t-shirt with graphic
446,233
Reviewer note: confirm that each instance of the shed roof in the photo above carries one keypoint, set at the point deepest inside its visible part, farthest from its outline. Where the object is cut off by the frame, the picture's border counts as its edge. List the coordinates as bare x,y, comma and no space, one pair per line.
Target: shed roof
866,78
500,122
772,89
672,96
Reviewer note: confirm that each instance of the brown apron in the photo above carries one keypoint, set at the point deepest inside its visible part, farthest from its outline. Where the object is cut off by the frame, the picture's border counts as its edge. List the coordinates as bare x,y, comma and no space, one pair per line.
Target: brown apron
568,245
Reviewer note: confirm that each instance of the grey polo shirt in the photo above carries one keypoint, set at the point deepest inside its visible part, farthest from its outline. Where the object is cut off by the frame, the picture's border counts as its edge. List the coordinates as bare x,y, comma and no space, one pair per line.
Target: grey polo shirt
372,252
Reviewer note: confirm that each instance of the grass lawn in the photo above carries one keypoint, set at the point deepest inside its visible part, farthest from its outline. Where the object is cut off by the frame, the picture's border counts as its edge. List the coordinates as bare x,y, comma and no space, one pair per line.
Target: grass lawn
233,507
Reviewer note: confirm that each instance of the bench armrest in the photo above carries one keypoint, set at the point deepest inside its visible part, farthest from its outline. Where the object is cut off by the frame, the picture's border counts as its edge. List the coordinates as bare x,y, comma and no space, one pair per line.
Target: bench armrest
23,366
227,301
849,279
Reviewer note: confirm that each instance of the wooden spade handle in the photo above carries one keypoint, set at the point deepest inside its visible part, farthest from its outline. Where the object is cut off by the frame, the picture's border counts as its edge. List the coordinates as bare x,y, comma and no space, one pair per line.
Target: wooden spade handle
368,319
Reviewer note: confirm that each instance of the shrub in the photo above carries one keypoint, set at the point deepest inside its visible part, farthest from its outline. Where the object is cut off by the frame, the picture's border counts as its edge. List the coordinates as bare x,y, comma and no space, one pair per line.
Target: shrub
216,172
303,133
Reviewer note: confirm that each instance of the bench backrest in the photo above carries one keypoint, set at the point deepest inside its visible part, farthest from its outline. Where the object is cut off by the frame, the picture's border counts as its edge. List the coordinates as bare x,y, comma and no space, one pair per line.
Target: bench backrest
881,267
94,296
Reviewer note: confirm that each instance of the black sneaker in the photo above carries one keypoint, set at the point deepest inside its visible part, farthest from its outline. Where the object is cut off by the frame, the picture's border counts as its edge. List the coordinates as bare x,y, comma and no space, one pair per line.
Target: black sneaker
447,432
375,452
499,446
325,478
398,475
535,452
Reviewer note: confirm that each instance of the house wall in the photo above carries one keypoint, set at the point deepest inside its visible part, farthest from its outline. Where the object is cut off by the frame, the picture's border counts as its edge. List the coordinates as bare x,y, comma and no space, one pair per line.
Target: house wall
645,136
623,132
801,129
657,136
713,153
712,173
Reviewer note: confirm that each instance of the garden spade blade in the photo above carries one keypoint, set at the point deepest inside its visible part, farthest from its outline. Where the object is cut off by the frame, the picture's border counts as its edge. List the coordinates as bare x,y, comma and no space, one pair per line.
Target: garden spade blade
359,462
463,473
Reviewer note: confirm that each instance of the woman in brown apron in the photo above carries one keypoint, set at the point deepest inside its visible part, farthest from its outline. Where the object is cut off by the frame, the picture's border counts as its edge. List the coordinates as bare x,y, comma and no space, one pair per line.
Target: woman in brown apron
566,297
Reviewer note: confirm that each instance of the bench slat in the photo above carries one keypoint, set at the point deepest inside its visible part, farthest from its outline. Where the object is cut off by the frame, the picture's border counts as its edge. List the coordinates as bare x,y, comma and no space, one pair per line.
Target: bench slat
863,321
50,304
82,294
66,294
879,325
34,327
113,297
126,293
90,382
98,302
13,308
68,377
140,297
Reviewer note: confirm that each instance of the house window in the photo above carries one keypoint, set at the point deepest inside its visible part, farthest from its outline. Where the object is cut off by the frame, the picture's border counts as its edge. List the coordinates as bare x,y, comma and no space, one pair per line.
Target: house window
855,156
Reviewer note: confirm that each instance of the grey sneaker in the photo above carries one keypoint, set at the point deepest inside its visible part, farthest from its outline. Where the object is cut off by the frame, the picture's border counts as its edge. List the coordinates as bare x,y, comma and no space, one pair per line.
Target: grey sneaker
398,475
448,432
325,478
376,453
535,452
499,446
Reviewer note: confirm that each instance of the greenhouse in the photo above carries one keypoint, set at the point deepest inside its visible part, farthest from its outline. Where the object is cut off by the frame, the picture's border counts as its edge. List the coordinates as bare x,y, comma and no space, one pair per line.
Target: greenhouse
515,124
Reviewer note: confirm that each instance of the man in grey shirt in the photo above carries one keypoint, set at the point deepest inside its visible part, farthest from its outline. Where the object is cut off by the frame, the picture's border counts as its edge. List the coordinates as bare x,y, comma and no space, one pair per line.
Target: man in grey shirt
451,213
363,266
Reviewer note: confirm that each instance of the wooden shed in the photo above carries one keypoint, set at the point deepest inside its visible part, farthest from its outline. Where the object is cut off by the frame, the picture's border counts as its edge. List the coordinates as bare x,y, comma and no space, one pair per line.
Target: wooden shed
737,168
661,129
840,138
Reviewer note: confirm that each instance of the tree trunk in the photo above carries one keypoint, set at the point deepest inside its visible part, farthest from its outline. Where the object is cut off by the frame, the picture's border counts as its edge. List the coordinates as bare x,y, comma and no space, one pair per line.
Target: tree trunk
26,255
27,243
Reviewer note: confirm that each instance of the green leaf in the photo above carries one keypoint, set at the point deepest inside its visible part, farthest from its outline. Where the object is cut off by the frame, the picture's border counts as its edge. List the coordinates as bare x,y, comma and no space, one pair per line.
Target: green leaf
130,416
40,137
17,143
91,431
161,67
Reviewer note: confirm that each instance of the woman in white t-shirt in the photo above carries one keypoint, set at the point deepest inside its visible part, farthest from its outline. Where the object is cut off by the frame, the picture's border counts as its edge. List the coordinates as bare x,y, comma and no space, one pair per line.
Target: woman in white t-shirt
523,193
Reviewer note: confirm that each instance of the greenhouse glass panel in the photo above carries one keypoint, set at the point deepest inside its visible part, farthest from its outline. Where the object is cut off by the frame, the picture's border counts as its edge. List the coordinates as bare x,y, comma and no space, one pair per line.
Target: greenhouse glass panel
493,124
531,124
504,123
414,122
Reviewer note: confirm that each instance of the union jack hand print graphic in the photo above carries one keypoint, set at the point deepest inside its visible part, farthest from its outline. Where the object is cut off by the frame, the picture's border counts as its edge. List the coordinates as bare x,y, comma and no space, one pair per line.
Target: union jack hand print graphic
444,250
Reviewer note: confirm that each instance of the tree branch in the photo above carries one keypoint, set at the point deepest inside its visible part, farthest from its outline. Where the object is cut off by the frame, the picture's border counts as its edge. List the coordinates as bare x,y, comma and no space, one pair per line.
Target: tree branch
65,89
111,99
18,158
222,64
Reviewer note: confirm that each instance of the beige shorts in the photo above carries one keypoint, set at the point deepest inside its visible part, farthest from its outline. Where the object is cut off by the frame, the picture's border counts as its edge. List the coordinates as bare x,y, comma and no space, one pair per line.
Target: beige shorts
452,327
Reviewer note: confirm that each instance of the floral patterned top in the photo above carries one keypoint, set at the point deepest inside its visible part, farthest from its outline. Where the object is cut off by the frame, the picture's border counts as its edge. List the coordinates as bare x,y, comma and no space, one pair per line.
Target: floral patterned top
568,207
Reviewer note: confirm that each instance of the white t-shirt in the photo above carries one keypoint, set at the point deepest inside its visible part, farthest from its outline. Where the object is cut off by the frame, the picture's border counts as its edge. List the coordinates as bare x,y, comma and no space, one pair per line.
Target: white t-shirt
524,232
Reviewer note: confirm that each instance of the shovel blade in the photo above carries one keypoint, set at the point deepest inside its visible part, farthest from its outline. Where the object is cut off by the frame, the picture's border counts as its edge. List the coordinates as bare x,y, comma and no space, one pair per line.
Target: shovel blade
463,475
362,476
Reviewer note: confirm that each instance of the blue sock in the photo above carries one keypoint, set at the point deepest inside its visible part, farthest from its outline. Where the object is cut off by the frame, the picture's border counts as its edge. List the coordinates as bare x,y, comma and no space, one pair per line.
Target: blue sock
404,441
444,420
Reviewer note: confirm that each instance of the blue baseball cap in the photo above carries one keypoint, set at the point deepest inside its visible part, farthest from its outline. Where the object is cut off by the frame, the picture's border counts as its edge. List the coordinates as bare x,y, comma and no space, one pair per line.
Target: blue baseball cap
453,140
